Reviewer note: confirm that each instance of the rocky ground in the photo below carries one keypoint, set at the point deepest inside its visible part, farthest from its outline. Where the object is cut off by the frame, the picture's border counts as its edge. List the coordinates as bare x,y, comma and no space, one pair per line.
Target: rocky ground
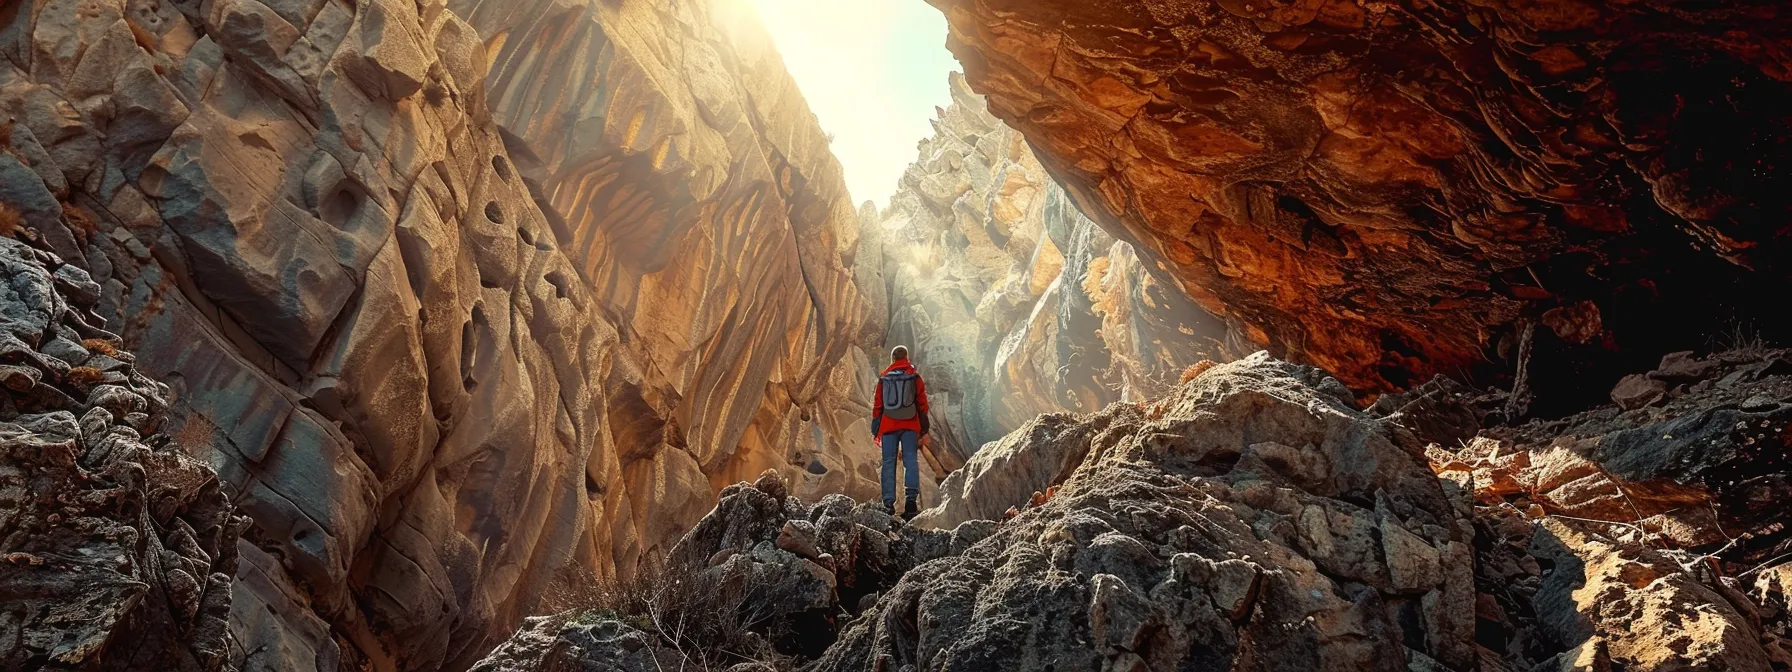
1256,519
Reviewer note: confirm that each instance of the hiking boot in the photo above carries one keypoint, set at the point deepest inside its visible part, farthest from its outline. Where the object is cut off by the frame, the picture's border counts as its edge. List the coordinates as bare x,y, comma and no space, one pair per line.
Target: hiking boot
890,508
910,508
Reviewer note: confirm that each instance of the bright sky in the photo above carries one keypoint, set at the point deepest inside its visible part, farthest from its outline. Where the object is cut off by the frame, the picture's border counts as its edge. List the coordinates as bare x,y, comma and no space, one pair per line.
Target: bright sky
872,70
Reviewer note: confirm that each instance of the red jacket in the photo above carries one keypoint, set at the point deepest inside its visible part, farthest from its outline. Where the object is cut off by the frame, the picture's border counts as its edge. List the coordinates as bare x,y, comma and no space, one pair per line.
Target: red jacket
881,425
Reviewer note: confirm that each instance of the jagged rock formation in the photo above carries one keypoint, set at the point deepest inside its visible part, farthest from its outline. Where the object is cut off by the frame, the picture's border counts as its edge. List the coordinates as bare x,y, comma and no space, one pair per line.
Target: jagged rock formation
1013,302
761,578
696,195
1254,519
116,546
1390,189
439,384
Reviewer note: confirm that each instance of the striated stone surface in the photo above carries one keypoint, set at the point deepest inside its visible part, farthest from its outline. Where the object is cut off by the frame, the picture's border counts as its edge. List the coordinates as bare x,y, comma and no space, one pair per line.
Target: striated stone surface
441,385
561,643
1013,303
116,545
1389,189
696,195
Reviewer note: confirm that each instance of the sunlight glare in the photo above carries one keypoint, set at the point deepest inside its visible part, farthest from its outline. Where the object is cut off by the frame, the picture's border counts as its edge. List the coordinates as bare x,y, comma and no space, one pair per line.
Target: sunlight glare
873,71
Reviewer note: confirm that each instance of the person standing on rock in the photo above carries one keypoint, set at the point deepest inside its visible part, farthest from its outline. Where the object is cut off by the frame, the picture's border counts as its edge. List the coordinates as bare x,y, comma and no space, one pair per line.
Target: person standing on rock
899,420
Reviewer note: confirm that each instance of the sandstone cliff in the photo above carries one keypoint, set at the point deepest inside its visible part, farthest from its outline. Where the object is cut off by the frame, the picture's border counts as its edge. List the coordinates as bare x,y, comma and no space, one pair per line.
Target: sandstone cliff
695,194
441,383
1014,303
1390,189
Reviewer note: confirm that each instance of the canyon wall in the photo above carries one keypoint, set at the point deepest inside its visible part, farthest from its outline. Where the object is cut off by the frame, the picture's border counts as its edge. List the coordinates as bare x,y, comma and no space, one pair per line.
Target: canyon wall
1013,302
1392,189
448,363
698,198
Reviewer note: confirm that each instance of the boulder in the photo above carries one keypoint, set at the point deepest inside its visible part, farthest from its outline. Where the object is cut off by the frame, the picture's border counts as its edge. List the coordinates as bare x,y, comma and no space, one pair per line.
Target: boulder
566,643
1614,604
1637,390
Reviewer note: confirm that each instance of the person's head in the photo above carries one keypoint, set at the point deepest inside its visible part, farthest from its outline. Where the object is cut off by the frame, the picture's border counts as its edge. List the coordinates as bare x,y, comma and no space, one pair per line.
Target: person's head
899,353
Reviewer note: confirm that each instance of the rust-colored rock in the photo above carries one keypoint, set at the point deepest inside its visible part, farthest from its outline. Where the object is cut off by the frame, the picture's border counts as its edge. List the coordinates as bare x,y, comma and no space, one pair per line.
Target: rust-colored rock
1387,188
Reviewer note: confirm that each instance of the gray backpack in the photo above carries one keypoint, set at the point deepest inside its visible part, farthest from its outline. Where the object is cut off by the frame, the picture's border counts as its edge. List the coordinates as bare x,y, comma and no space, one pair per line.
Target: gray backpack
899,394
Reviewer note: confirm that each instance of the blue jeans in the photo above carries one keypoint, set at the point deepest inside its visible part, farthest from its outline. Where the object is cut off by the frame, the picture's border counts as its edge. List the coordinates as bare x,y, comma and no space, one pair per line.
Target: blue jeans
911,471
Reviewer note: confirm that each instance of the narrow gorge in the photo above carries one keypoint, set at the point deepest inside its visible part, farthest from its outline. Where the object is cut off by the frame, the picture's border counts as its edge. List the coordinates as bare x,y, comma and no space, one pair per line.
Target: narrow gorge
1017,304
531,335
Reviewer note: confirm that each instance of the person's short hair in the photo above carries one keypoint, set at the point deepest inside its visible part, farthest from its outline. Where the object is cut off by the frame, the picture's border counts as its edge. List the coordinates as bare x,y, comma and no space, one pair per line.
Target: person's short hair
899,352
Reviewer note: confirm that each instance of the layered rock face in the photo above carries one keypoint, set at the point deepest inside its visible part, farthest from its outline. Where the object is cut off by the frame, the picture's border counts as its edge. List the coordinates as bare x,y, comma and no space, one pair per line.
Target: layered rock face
1012,301
116,546
696,195
1390,189
303,224
396,337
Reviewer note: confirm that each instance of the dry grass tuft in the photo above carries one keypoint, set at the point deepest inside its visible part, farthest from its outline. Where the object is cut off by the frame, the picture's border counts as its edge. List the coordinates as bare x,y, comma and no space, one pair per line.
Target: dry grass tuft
1742,338
10,220
81,220
435,93
100,346
84,376
195,435
1196,369
709,626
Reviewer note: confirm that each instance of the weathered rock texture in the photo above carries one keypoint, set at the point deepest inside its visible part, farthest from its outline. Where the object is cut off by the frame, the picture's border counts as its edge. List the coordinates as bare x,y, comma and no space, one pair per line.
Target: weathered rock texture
396,335
1254,519
116,546
1386,188
1012,301
1657,543
696,195
761,579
